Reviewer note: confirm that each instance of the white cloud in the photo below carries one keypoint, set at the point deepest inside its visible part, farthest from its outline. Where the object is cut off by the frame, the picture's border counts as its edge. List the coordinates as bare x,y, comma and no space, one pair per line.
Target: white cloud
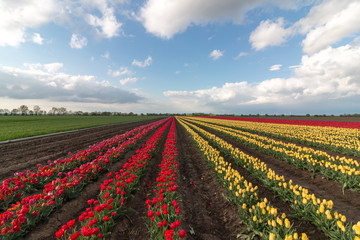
241,54
77,41
327,23
128,80
165,18
106,55
42,81
18,16
147,62
36,38
53,67
275,67
269,33
107,26
332,73
124,71
216,54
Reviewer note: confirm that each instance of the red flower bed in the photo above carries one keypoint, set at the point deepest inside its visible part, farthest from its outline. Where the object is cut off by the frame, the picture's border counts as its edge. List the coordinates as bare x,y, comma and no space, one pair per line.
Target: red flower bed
21,217
98,219
13,188
163,208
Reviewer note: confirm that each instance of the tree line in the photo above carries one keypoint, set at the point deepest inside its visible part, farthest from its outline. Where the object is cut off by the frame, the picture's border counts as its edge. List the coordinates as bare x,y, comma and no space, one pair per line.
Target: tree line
36,110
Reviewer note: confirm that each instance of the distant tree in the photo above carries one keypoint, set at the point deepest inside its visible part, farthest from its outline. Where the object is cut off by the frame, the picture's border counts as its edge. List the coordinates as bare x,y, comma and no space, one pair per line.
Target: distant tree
62,111
54,111
7,111
15,111
37,109
2,111
23,109
31,112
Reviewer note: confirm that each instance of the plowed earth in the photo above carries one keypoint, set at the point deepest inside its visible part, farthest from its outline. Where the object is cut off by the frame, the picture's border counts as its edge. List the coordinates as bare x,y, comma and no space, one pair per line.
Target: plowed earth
23,155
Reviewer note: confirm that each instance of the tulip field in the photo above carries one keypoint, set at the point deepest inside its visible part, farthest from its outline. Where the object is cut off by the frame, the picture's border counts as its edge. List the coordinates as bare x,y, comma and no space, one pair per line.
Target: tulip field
189,178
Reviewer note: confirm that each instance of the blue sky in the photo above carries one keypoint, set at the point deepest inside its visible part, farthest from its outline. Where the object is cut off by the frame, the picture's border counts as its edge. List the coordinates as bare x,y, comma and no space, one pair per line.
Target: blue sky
181,56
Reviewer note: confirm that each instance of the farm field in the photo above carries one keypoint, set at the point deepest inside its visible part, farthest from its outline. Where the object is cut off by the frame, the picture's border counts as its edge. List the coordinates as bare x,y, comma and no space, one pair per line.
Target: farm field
13,127
184,178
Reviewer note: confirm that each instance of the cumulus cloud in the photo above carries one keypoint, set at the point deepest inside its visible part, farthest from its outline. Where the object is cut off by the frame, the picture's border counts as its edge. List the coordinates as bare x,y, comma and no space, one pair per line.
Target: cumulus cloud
128,80
329,23
147,62
332,73
36,38
106,26
123,71
275,67
18,16
269,33
166,18
216,54
43,81
53,67
326,23
78,41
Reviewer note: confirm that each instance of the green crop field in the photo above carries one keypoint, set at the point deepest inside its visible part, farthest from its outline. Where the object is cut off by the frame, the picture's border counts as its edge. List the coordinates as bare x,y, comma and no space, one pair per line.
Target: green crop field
13,127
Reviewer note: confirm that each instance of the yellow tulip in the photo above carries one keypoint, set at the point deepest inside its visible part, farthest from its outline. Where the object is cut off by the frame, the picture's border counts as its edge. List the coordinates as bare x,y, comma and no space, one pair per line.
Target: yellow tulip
271,236
304,236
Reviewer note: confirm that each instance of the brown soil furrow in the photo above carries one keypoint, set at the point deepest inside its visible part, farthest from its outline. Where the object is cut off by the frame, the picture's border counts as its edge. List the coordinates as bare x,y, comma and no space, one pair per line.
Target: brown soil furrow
204,208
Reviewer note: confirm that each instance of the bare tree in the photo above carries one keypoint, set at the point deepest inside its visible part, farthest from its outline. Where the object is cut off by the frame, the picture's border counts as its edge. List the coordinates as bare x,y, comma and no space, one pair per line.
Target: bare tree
23,109
62,110
37,109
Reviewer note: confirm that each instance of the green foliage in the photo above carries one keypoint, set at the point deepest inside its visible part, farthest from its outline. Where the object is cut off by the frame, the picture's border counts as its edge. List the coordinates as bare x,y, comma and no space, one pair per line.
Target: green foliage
14,127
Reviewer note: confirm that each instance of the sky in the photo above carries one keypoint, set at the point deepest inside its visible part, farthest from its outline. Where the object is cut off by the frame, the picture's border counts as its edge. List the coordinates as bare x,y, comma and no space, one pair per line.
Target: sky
181,56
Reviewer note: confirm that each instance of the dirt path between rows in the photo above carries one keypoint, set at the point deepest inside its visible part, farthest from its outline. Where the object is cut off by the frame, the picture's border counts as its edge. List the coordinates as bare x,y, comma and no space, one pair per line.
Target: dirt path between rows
206,213
23,155
347,203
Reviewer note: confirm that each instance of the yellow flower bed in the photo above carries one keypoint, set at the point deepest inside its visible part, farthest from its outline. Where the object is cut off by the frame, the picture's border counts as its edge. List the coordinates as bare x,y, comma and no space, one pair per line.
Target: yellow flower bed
306,205
343,140
258,214
341,169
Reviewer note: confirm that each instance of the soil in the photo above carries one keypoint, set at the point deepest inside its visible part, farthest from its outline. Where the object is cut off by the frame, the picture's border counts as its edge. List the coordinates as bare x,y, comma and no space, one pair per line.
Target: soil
26,154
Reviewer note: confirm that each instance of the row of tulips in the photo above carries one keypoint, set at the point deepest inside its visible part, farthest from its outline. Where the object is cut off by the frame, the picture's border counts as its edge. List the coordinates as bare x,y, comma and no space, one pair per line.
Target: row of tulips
320,123
342,140
22,216
341,169
97,221
306,205
163,208
12,189
258,214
